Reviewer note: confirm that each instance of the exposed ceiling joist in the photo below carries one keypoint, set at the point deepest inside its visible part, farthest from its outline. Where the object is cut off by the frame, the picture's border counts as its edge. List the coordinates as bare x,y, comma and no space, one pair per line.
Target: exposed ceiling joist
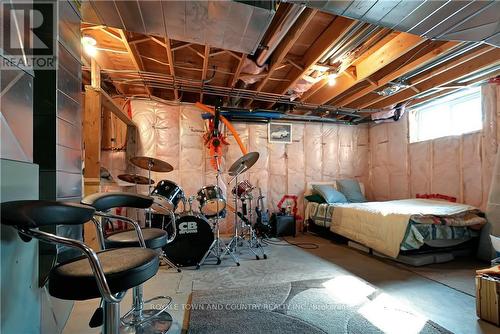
237,70
322,83
134,57
433,80
417,62
389,52
170,57
286,44
329,38
206,55
456,62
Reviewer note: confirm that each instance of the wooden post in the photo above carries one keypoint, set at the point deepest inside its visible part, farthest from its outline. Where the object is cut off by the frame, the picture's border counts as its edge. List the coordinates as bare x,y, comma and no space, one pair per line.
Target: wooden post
92,149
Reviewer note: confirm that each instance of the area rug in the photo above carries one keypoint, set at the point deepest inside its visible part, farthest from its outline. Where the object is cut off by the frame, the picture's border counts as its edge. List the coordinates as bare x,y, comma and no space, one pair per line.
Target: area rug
343,304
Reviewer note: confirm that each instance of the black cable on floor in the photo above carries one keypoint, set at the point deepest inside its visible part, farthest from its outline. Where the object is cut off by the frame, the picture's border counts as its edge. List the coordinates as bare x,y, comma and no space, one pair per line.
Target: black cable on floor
303,245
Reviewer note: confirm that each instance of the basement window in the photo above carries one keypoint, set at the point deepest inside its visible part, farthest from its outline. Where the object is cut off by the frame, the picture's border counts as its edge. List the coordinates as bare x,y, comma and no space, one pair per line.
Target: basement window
452,115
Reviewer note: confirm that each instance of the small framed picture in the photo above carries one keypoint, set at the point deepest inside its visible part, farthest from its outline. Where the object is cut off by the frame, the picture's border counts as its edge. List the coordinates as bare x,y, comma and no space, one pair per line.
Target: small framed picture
280,133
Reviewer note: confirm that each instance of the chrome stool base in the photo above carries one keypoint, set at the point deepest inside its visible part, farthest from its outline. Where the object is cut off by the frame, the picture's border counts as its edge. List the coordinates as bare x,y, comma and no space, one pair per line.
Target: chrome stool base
155,324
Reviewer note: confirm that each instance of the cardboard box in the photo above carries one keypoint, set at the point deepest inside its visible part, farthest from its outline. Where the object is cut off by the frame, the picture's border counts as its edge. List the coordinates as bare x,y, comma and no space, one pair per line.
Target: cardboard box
487,298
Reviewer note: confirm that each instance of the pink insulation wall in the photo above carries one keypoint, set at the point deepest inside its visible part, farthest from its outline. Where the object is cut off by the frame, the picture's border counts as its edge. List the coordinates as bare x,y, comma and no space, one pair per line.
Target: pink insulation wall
459,166
319,152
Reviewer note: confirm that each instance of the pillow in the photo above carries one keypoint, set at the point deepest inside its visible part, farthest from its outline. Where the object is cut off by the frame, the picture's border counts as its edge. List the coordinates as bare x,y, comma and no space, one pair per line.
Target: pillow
315,198
329,193
351,190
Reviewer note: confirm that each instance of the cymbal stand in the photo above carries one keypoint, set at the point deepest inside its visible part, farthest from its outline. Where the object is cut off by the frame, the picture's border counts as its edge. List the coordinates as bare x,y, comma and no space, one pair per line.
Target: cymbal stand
149,214
218,244
253,242
233,243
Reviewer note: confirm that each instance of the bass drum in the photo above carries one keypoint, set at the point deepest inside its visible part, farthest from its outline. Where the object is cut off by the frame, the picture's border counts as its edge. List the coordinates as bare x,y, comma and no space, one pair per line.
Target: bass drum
193,239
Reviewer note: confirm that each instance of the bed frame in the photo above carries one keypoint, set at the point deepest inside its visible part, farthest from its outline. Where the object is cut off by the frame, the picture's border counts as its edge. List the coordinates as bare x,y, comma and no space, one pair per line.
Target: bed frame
423,256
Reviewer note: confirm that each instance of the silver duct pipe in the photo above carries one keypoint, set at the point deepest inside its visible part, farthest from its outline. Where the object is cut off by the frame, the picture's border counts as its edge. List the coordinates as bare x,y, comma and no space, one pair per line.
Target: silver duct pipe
447,56
343,42
283,27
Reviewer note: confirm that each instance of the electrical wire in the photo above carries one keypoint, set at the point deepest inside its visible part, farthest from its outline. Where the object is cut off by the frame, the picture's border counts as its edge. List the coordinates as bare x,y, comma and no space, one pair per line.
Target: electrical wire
303,245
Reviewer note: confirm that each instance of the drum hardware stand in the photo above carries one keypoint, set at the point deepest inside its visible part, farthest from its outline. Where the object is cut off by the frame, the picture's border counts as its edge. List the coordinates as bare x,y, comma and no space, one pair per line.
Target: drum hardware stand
148,212
163,257
253,241
233,243
190,201
218,244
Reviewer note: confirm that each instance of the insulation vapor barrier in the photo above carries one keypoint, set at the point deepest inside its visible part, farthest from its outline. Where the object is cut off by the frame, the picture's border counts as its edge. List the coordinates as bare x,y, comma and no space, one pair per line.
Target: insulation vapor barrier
457,166
174,133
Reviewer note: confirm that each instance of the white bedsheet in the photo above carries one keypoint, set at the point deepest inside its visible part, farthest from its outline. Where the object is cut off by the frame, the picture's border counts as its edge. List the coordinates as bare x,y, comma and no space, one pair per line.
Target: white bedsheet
382,225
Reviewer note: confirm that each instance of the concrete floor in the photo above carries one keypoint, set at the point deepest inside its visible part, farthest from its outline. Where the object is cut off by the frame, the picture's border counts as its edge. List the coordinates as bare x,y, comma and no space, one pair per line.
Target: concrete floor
440,301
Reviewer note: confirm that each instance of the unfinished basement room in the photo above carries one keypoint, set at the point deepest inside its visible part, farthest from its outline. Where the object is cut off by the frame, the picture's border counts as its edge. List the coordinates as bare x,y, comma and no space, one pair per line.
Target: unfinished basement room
234,166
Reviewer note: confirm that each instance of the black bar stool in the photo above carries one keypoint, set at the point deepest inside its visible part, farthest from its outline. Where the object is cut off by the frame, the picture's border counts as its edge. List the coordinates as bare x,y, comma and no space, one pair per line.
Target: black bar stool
107,274
138,318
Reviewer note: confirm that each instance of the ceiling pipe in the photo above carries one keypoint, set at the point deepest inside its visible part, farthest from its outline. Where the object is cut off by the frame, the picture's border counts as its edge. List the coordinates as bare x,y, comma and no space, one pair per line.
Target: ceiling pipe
283,26
335,50
444,58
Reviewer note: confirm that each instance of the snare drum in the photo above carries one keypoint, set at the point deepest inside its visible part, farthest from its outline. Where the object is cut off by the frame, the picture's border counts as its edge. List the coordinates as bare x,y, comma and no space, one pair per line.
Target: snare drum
166,196
242,188
212,201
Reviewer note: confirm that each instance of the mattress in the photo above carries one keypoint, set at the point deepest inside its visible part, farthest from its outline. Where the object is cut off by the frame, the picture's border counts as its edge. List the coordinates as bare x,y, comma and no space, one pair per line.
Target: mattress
443,230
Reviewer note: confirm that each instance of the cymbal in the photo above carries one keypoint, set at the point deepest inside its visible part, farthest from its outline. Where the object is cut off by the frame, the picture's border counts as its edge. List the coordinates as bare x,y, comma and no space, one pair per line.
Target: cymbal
244,163
156,165
137,179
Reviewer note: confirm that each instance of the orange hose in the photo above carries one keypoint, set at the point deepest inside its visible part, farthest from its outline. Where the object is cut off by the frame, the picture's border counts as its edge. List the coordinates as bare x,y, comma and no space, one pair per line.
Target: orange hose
228,124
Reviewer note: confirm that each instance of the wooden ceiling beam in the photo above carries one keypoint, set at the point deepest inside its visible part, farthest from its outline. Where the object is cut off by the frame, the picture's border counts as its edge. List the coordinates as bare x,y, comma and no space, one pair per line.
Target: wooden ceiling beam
322,83
432,80
430,97
134,57
387,53
199,54
178,47
416,63
139,40
170,58
158,41
206,56
237,70
279,54
330,37
469,56
111,34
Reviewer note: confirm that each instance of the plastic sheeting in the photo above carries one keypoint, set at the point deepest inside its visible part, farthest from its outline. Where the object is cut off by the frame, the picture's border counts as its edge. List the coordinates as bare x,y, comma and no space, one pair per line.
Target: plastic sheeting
458,166
318,152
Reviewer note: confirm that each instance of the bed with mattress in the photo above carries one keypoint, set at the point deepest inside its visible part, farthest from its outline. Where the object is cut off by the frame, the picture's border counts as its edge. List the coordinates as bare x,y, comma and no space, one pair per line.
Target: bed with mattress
401,228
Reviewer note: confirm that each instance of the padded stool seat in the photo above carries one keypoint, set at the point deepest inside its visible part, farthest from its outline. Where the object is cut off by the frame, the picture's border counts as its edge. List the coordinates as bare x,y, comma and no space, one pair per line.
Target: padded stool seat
153,237
106,201
124,268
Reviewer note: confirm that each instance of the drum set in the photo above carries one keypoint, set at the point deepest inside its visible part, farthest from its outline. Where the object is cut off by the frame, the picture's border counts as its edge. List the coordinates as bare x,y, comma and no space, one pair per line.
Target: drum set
195,231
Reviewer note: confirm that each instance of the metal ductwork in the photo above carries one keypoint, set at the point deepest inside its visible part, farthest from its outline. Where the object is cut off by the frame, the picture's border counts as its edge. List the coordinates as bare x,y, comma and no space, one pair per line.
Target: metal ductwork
470,21
230,25
282,27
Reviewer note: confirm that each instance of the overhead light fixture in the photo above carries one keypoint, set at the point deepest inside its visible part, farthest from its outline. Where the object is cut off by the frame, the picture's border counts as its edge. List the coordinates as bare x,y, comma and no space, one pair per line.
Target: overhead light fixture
89,45
332,79
392,89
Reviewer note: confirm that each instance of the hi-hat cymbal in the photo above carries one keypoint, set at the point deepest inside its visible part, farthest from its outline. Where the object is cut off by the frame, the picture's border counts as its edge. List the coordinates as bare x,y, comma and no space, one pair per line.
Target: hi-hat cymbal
137,179
156,165
244,163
